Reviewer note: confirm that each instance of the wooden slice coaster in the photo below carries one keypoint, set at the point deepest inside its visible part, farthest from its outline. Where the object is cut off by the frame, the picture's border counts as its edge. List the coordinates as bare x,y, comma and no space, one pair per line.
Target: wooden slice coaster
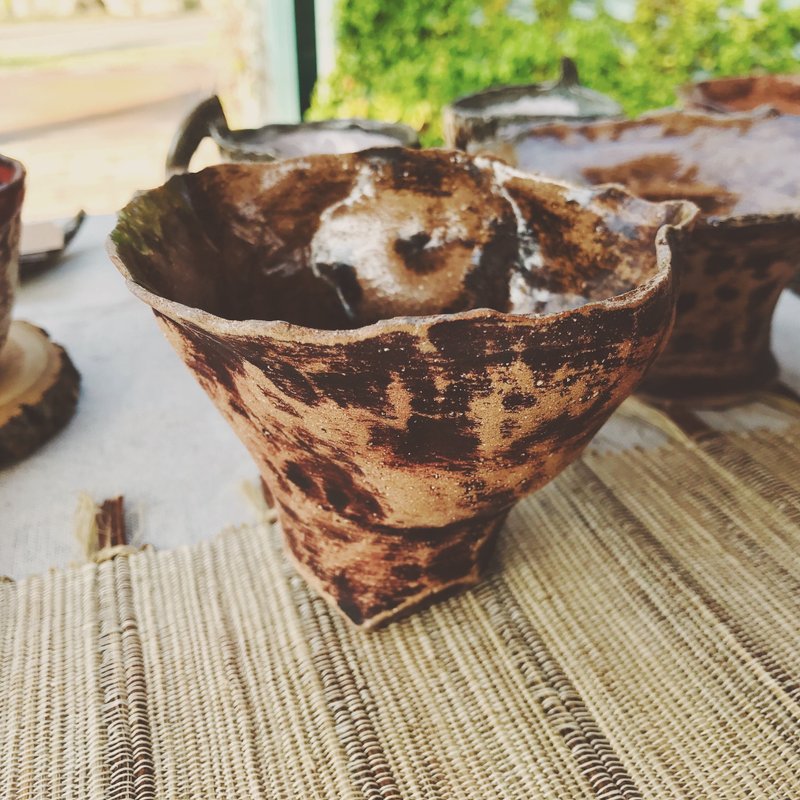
38,391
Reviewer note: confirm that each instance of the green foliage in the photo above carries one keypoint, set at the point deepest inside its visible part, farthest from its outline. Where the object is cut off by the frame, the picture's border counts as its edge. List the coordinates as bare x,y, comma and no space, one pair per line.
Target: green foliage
405,59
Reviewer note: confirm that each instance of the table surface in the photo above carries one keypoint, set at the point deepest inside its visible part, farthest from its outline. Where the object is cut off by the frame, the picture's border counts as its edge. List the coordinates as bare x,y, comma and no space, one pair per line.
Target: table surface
146,430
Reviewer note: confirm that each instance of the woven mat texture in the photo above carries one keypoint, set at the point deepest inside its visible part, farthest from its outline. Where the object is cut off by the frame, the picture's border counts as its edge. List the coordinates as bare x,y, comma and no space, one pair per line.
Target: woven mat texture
639,637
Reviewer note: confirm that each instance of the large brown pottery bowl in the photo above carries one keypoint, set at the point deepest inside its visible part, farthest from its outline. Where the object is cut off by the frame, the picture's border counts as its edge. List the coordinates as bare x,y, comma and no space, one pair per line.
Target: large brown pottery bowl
743,171
781,92
12,189
406,341
502,111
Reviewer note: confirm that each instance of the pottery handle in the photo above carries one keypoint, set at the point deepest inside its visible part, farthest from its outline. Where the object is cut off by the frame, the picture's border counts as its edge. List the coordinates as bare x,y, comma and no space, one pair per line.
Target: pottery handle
569,73
192,130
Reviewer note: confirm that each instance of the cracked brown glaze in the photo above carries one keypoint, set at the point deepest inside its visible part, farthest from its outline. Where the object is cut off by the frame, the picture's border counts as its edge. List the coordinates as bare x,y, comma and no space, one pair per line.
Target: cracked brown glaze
744,173
12,190
745,93
386,333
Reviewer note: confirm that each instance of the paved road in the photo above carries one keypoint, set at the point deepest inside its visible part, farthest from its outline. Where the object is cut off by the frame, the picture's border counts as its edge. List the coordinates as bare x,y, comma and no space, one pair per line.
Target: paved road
92,111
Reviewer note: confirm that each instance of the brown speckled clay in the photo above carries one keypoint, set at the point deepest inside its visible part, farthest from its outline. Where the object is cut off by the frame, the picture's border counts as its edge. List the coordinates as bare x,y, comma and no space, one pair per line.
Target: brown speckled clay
743,171
406,341
12,189
781,92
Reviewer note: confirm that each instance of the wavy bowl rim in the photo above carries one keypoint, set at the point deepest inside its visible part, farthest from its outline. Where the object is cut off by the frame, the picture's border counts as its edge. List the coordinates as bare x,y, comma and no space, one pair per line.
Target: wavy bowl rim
687,88
459,106
686,211
404,134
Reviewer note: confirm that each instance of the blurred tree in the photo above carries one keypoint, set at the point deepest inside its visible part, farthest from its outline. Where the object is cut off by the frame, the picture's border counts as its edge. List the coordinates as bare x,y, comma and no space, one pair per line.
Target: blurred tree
405,59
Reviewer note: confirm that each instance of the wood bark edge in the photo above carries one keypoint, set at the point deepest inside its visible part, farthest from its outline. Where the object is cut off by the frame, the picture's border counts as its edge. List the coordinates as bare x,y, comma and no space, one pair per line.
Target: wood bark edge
41,408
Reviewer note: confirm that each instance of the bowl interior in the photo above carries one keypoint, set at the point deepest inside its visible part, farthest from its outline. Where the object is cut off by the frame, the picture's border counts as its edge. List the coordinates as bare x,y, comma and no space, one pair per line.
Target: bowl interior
338,242
513,101
312,138
727,165
535,100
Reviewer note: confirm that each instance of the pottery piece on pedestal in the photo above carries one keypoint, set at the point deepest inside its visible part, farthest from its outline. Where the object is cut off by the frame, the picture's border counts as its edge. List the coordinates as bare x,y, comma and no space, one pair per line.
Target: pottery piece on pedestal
280,141
406,341
38,382
503,111
743,171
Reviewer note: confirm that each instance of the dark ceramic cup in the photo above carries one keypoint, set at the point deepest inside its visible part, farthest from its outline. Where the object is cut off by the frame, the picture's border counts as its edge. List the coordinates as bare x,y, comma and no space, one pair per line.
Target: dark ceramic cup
503,111
744,173
406,341
276,142
730,95
726,95
12,190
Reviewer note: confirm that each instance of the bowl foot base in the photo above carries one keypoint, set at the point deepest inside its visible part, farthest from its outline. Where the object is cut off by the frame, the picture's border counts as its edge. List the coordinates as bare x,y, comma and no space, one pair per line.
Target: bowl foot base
382,575
706,390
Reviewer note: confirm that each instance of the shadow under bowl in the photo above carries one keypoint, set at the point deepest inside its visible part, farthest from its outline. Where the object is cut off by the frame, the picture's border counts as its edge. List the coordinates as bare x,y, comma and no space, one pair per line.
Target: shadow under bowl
406,341
12,191
743,172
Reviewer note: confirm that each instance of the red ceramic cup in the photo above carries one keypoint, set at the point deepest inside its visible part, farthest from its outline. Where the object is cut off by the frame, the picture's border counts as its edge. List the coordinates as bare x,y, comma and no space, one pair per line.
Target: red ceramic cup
12,189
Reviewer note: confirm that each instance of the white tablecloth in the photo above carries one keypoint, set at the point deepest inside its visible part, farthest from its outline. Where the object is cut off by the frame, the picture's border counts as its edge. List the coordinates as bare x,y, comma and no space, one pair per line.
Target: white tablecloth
145,429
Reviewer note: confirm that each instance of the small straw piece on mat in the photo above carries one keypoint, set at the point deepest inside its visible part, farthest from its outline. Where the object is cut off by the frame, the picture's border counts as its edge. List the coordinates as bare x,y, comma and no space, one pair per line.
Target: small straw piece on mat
260,500
100,530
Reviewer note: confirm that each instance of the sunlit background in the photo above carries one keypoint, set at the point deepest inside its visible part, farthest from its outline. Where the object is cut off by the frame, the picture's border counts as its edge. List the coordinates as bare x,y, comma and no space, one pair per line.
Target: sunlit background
93,90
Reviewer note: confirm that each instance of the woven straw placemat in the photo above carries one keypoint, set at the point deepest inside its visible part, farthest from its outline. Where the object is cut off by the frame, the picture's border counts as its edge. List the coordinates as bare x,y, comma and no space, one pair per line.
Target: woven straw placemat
638,638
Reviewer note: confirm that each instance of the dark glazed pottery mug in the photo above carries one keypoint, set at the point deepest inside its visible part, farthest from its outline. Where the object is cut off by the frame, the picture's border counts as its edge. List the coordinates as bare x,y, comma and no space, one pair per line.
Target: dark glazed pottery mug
12,191
280,141
743,172
729,95
726,95
407,342
503,111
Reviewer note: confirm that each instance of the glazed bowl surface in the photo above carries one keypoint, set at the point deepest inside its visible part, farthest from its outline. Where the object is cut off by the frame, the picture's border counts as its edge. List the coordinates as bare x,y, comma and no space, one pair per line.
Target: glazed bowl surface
743,172
279,141
406,341
502,111
12,190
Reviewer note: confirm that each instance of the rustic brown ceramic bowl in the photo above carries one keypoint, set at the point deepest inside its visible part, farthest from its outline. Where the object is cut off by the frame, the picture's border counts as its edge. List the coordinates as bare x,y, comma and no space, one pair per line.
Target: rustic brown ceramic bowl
728,95
781,92
502,111
406,341
12,190
744,172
